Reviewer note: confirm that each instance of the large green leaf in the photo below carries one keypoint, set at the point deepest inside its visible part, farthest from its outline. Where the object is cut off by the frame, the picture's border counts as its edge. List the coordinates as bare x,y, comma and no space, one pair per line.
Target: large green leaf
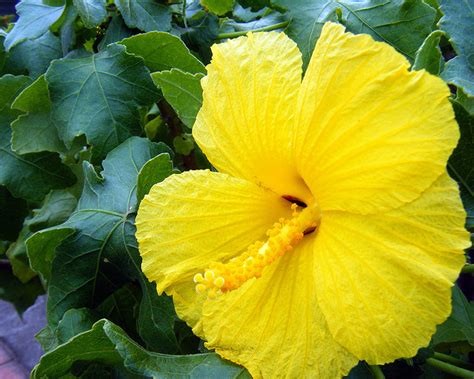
108,344
97,243
458,23
100,96
34,131
147,15
404,24
29,176
92,12
459,327
34,55
307,20
35,18
163,51
183,91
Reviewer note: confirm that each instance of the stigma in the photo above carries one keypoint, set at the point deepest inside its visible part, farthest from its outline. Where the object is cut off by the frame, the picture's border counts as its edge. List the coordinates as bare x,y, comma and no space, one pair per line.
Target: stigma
282,237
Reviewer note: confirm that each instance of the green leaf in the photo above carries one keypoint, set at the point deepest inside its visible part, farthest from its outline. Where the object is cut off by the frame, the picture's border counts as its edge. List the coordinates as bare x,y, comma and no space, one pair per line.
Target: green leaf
201,33
307,20
218,7
12,214
116,31
458,23
34,55
404,24
75,321
35,18
108,344
461,162
163,51
56,209
34,131
457,72
152,172
183,91
146,15
92,12
429,55
18,257
100,96
459,326
40,172
100,243
184,143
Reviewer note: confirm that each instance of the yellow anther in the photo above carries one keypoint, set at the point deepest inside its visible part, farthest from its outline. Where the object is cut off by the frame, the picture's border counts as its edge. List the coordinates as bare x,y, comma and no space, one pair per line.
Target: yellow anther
201,288
198,278
282,237
209,275
219,282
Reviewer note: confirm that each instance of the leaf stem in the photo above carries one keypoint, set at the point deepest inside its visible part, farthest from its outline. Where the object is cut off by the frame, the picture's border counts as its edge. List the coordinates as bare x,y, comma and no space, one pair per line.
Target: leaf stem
450,369
468,268
244,32
453,360
377,372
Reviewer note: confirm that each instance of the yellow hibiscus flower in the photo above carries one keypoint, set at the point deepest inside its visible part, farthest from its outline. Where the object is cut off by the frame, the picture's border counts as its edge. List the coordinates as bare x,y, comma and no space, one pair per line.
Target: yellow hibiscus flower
331,233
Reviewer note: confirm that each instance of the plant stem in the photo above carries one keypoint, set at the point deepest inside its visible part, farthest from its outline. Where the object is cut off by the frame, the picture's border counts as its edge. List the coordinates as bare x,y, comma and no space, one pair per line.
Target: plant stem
450,369
377,372
244,32
453,360
468,268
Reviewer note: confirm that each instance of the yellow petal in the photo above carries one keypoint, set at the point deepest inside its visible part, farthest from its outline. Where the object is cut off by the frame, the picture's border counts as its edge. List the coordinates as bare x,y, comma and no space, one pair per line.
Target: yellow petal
273,325
384,281
195,218
371,135
249,98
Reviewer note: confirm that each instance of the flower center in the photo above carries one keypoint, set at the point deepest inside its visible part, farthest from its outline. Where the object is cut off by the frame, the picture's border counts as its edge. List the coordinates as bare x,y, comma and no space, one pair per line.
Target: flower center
282,237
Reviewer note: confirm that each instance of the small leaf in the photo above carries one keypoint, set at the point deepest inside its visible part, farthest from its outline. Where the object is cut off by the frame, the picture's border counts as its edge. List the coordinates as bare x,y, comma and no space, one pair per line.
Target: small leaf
34,20
183,91
120,84
146,15
163,51
429,55
34,131
218,7
152,172
92,12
